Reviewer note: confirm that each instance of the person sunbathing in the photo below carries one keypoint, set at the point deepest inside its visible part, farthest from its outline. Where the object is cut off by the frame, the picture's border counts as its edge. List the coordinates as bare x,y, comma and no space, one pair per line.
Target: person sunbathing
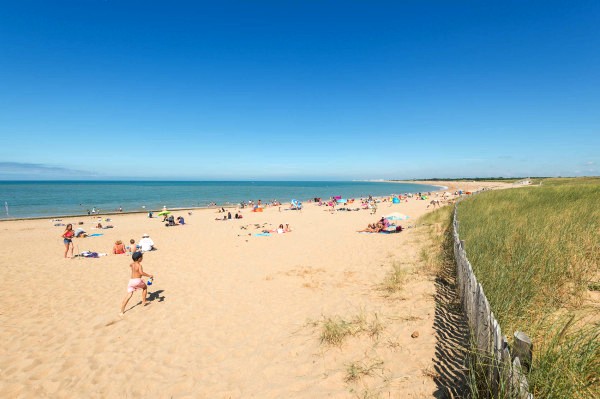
278,230
80,233
372,228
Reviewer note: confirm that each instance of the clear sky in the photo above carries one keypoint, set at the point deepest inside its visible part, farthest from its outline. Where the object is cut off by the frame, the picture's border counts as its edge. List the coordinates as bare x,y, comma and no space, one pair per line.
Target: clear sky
292,90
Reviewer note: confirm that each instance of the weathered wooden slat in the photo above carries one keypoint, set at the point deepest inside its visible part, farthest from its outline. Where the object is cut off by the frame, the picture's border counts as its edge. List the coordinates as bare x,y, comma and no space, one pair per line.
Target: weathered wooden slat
473,294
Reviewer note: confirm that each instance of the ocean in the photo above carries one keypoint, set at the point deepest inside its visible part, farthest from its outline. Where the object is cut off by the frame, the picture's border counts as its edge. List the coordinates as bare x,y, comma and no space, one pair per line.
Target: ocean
30,199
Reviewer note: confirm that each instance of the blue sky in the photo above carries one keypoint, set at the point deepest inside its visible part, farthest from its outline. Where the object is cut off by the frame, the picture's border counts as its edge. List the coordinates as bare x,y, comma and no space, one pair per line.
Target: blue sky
290,90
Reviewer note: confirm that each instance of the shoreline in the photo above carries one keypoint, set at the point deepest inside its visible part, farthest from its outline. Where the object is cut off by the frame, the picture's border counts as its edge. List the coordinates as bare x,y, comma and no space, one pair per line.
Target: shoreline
452,186
227,205
114,213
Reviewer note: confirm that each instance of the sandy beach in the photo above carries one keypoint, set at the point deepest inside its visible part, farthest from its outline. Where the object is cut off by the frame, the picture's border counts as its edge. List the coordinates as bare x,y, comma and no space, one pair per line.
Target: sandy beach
231,314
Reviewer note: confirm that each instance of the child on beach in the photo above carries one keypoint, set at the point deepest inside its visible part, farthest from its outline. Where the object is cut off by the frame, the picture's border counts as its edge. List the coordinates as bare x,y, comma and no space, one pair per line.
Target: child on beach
132,246
136,282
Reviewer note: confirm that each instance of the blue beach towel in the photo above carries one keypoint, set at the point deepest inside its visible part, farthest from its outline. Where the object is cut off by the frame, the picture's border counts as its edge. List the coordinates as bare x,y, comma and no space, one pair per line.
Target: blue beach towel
95,235
263,234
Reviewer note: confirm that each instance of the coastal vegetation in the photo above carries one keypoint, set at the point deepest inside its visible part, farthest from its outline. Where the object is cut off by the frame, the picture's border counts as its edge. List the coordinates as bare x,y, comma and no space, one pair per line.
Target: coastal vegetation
479,179
536,252
394,281
334,330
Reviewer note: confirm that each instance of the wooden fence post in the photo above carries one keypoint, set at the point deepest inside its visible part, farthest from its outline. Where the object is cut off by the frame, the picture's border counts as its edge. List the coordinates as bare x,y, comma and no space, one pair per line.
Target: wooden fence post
523,349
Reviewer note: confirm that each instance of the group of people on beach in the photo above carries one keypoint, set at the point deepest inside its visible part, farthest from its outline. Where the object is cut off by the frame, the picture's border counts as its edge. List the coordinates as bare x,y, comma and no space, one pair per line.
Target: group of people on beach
137,271
238,215
170,221
281,229
146,244
136,281
380,226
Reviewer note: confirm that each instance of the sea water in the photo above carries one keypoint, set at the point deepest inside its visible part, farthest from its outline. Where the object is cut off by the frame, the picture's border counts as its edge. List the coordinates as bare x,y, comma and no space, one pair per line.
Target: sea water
27,199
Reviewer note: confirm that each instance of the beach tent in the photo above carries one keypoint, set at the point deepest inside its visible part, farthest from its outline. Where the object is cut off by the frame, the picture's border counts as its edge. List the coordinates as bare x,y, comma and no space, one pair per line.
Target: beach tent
396,200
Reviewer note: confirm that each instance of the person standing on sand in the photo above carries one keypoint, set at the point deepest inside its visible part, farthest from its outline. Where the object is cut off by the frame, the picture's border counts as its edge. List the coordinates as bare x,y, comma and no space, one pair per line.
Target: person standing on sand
68,239
136,282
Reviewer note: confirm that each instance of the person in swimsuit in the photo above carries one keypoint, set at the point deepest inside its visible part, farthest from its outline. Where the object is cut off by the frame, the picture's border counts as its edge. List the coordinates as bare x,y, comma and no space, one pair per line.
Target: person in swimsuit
119,247
68,239
136,282
132,247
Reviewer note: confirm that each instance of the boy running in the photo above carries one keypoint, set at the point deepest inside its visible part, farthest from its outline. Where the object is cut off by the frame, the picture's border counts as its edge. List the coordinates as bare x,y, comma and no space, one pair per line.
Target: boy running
136,282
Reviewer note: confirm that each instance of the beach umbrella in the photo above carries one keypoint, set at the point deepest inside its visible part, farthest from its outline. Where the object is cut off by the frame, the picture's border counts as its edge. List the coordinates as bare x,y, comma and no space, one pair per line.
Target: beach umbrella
163,213
396,216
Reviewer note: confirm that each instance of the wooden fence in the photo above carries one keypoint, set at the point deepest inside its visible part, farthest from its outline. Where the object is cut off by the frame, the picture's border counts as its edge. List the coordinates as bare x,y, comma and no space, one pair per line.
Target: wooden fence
502,365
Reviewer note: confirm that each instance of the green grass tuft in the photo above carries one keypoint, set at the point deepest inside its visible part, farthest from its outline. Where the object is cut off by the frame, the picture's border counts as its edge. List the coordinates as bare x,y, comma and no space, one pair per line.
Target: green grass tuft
355,371
335,330
394,281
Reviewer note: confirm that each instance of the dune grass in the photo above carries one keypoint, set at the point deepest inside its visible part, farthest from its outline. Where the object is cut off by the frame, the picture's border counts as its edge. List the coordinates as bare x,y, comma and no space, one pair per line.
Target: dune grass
359,369
335,329
539,245
536,251
437,251
394,281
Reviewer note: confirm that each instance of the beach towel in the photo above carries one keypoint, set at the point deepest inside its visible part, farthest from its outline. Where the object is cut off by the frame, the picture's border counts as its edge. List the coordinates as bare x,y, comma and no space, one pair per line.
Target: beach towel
89,254
262,234
95,235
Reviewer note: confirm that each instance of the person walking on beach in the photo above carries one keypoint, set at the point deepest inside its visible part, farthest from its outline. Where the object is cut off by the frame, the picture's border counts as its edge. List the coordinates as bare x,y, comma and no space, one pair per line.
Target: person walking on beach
136,282
68,239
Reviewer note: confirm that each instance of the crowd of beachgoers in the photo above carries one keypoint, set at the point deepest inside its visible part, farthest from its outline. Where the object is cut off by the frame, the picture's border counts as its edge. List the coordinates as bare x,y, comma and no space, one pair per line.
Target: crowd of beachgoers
332,204
386,224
